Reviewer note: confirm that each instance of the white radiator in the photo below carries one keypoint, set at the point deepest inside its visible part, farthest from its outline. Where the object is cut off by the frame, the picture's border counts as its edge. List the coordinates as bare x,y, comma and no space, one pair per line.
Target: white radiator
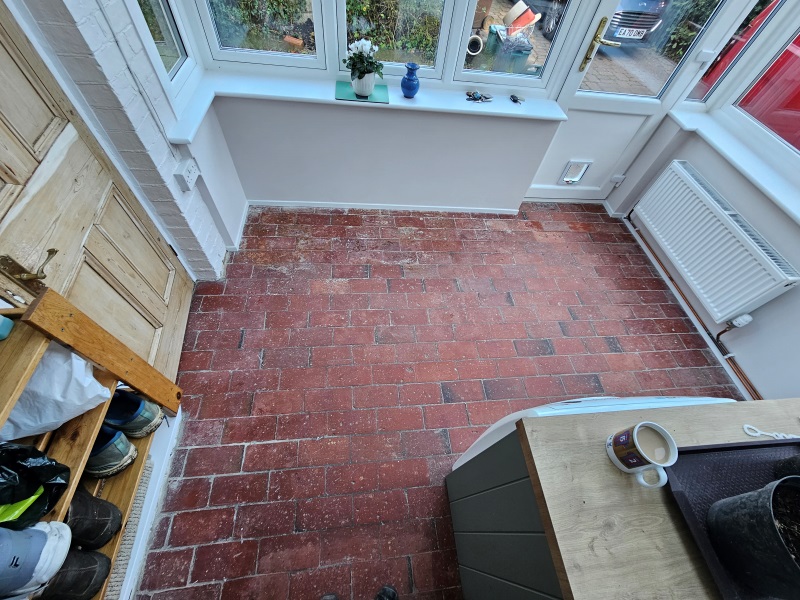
729,266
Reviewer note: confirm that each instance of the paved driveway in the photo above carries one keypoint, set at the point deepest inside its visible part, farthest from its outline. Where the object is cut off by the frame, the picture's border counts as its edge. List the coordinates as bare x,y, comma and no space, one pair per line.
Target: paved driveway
628,70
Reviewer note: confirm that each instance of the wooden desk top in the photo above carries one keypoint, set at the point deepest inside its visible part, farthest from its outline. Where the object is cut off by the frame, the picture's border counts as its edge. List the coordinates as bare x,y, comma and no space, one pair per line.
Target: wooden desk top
611,538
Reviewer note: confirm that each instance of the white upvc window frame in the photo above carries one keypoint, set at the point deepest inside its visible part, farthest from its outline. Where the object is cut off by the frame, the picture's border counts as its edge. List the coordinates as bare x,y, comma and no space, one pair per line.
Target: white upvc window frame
777,34
712,95
393,68
770,162
260,57
549,83
177,80
448,72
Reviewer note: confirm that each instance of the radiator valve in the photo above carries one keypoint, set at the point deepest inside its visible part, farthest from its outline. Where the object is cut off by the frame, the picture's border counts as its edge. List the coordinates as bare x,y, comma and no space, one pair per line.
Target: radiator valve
741,320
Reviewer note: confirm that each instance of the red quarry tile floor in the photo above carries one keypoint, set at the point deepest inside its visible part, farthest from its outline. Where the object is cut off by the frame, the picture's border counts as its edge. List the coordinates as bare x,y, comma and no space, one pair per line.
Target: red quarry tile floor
333,378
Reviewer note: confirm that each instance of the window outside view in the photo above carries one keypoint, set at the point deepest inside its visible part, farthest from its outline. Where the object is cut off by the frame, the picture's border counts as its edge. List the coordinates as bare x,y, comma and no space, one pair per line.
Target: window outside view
404,30
654,35
744,34
774,99
510,36
161,24
266,25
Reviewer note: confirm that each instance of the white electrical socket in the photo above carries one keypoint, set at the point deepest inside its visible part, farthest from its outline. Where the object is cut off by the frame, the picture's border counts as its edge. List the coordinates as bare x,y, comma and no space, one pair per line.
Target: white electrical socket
187,174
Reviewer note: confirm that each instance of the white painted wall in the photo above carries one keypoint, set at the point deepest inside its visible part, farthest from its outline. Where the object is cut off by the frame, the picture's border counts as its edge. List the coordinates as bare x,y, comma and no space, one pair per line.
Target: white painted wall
360,156
219,183
767,349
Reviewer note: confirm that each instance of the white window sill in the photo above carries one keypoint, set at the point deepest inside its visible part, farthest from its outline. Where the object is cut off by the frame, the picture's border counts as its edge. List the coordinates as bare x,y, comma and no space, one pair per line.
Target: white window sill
718,130
429,98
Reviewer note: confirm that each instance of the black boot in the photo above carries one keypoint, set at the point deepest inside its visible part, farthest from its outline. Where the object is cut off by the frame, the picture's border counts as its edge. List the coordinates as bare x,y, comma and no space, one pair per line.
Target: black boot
80,578
387,592
93,521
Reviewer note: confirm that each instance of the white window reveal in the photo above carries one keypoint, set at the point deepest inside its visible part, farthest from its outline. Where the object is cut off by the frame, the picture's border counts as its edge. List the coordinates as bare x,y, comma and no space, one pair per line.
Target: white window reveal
161,24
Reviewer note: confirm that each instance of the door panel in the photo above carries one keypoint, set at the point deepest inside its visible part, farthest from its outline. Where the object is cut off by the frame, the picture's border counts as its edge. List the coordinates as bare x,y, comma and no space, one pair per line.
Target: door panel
94,288
120,268
29,118
130,285
16,162
151,265
616,97
8,193
570,143
59,190
56,209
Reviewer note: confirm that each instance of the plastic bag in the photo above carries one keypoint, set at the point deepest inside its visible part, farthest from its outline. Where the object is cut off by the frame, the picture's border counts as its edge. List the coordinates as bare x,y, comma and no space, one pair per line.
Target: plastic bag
61,388
23,470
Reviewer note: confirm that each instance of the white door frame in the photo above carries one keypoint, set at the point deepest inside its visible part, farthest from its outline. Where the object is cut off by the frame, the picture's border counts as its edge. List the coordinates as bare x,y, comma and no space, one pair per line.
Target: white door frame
649,110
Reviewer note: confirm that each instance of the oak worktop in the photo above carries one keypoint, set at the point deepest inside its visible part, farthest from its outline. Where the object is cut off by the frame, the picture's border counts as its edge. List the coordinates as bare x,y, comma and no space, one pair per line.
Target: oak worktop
609,537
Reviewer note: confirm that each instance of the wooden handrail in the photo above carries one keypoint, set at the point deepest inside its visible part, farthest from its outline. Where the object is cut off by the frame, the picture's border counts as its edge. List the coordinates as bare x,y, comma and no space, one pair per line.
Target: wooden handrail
57,318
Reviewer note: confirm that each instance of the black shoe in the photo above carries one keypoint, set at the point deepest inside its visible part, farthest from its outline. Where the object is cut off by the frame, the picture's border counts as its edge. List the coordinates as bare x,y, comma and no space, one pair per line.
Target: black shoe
93,521
330,597
80,578
387,592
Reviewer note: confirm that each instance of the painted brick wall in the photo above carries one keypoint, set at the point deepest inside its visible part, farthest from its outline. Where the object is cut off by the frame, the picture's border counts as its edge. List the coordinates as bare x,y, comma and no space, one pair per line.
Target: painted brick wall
101,51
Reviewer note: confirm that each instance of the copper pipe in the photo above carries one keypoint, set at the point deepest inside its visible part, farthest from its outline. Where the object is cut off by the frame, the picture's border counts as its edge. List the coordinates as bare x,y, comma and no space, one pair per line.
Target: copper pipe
732,363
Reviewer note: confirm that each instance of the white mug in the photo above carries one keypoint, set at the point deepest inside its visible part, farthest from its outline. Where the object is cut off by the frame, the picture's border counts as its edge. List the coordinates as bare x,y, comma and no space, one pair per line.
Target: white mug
644,447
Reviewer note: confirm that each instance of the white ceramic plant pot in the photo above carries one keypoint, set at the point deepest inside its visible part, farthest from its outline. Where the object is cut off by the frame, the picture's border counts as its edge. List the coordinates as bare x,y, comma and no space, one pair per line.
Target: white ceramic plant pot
365,85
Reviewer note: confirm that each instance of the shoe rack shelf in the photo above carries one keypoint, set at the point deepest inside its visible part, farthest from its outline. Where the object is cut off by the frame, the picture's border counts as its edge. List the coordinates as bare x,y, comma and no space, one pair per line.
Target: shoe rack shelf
52,317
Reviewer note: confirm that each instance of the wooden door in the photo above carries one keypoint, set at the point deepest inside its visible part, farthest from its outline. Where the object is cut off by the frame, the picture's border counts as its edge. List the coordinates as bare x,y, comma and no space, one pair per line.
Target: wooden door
132,274
59,190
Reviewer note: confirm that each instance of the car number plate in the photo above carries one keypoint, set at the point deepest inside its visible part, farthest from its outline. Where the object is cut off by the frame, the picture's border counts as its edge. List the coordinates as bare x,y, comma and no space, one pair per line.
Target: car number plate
636,34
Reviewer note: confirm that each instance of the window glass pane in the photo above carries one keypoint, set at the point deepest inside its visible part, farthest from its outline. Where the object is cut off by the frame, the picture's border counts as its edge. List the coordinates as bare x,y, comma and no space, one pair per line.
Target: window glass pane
510,36
774,99
161,24
268,25
654,35
746,32
404,30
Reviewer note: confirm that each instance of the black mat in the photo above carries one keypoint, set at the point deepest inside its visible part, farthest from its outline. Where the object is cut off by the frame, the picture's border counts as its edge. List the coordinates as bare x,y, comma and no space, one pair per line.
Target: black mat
705,474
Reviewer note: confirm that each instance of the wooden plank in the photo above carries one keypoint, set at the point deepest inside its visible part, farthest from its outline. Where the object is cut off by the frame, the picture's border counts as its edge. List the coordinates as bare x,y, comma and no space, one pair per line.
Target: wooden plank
480,586
120,490
500,464
55,316
20,352
544,512
92,485
169,347
508,508
72,443
599,517
519,558
40,442
12,313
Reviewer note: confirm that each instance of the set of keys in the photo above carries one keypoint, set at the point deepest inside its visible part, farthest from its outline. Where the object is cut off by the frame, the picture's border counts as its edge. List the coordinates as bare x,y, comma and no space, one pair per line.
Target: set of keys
477,96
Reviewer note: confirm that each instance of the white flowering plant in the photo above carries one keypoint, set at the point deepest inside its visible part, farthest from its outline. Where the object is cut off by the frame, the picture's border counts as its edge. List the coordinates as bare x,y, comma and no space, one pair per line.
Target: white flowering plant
361,59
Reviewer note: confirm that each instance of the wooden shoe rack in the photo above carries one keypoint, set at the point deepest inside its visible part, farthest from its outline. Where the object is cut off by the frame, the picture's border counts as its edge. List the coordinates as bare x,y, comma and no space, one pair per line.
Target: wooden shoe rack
52,317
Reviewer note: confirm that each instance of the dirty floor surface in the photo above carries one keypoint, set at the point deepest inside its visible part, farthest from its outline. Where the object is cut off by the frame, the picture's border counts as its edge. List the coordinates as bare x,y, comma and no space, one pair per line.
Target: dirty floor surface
349,357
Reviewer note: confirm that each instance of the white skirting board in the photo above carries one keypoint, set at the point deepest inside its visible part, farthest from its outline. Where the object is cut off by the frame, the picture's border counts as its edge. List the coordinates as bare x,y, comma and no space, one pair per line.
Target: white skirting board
409,207
161,450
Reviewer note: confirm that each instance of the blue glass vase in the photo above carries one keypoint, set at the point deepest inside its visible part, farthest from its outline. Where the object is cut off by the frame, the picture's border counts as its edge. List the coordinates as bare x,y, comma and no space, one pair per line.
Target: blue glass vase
410,82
